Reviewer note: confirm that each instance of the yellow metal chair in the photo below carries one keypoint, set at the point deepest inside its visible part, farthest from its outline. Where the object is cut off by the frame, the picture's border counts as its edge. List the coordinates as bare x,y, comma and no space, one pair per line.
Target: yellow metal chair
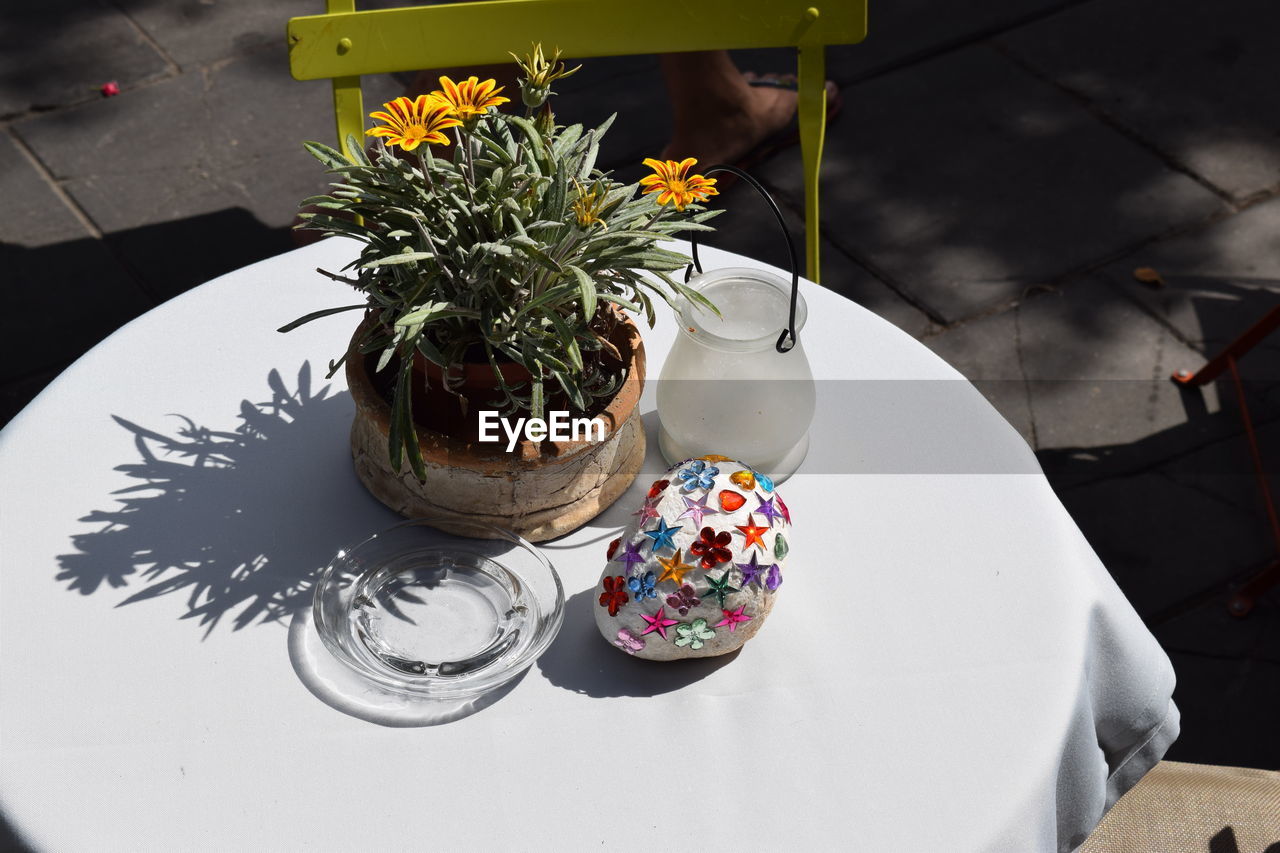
344,44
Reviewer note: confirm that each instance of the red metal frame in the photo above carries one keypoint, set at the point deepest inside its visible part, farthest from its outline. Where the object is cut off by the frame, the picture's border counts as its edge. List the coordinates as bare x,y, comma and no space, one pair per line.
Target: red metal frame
1245,597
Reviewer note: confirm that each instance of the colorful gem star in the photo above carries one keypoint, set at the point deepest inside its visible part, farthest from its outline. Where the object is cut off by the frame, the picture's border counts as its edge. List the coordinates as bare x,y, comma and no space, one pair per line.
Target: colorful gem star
753,532
661,535
767,509
751,572
720,588
658,622
733,618
774,580
693,635
648,510
673,568
630,556
697,509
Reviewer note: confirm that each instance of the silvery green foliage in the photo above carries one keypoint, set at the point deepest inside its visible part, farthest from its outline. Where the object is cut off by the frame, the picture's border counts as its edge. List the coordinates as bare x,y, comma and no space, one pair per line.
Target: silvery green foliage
484,252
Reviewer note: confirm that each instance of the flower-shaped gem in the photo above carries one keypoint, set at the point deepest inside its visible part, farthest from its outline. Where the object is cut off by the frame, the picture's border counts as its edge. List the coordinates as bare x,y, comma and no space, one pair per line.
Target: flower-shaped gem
613,548
673,568
615,594
733,618
657,622
712,547
695,634
699,475
661,535
642,587
628,641
684,599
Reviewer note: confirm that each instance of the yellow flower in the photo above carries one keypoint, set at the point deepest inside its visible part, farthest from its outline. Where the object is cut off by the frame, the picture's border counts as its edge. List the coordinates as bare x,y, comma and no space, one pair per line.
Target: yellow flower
674,182
411,123
587,206
470,97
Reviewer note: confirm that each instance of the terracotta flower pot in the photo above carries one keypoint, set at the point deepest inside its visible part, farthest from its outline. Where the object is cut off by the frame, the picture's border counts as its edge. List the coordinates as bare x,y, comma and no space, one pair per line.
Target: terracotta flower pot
539,490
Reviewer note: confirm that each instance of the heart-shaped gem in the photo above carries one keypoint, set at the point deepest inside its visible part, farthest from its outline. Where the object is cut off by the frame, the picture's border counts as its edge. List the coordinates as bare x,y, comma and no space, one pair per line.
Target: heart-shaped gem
780,548
745,480
730,501
657,487
766,482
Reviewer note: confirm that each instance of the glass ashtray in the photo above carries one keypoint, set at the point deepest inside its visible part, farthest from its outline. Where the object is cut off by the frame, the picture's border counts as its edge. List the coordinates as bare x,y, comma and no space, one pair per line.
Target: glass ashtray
438,615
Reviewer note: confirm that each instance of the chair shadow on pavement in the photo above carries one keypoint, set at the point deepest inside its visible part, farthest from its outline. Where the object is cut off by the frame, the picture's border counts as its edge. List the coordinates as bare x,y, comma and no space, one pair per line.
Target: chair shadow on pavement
1178,519
239,521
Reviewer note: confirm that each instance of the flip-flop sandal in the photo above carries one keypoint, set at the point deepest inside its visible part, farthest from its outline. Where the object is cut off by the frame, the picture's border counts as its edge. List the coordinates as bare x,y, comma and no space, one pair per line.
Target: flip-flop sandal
789,135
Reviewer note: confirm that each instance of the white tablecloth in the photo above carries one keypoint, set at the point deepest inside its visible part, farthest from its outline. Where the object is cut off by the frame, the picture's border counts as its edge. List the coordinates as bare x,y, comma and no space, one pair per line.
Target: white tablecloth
948,668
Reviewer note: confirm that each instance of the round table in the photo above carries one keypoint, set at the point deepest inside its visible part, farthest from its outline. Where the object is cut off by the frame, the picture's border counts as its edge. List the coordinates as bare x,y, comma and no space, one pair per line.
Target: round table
949,666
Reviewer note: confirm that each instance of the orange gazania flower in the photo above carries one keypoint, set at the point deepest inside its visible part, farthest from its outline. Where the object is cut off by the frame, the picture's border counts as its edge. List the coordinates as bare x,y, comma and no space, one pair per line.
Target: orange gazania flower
411,123
674,182
470,97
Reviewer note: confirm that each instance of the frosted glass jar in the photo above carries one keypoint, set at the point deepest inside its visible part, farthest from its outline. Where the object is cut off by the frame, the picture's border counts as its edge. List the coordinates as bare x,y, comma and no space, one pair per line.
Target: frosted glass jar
725,389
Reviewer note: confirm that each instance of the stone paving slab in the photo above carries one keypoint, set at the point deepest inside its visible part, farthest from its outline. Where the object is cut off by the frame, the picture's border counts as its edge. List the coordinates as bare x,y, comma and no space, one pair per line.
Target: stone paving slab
1098,367
197,175
1138,527
1196,79
198,32
966,180
62,291
903,30
60,52
985,351
1229,709
1217,280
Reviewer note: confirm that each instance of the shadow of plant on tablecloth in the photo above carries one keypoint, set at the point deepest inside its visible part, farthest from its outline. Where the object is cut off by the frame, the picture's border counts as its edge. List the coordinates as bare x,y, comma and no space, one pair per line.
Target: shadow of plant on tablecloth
238,520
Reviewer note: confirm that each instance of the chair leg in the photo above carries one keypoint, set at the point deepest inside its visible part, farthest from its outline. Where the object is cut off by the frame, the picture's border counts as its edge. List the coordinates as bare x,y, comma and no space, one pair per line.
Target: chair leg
812,117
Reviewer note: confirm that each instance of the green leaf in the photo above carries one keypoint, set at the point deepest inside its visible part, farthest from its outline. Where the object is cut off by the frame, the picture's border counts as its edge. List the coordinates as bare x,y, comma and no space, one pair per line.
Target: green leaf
356,147
567,341
531,134
424,314
586,292
534,250
316,315
330,157
402,258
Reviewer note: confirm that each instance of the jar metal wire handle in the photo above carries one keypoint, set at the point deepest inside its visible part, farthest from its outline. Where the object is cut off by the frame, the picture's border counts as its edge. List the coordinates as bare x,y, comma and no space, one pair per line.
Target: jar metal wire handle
786,340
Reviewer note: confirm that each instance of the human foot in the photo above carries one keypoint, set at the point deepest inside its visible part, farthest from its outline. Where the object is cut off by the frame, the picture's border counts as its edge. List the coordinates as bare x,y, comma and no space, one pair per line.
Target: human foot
738,119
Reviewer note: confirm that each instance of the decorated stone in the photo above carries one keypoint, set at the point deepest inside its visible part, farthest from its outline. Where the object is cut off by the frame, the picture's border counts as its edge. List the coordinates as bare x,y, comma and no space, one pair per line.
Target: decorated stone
697,572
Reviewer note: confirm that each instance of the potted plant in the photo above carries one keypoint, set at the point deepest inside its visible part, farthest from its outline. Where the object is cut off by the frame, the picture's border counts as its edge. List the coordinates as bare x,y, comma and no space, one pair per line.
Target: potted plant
498,266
